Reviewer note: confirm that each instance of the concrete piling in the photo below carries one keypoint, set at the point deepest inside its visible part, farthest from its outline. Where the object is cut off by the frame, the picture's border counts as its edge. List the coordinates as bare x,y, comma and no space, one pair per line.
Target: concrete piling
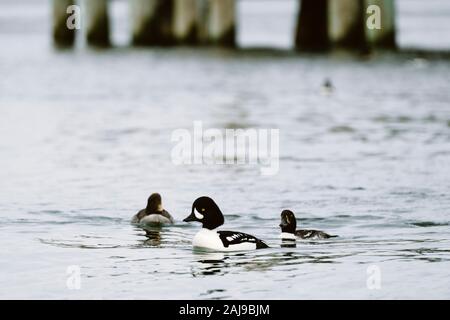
221,22
349,24
346,20
97,22
185,21
312,26
62,34
202,9
384,36
152,22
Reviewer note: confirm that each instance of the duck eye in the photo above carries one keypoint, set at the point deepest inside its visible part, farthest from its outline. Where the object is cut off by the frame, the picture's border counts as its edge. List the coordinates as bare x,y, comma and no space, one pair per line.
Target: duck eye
203,209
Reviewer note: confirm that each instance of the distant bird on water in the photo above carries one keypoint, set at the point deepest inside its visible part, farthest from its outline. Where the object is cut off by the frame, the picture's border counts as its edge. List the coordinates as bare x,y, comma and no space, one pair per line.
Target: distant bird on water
327,87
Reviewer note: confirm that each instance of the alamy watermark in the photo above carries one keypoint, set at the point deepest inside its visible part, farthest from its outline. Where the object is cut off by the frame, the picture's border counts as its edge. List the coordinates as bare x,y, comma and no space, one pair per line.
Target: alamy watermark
374,20
73,281
74,20
373,281
227,147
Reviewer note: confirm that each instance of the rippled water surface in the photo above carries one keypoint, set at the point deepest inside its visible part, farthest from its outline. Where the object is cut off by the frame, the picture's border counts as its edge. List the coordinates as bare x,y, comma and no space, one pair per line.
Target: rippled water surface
85,137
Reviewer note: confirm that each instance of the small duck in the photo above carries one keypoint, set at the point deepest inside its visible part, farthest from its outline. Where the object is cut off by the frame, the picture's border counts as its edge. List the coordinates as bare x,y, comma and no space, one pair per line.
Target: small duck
153,213
327,87
206,211
288,227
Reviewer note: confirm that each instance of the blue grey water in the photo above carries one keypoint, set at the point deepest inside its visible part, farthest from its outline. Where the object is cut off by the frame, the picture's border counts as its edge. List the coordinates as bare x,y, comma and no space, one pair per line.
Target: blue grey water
85,138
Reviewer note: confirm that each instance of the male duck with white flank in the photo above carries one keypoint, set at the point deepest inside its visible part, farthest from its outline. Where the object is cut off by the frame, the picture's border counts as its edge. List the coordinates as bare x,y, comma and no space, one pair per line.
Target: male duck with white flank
288,227
206,211
153,214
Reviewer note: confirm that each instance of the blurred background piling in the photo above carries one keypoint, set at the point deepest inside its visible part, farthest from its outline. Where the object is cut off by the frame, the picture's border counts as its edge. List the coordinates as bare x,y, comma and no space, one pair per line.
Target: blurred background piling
320,25
62,35
97,22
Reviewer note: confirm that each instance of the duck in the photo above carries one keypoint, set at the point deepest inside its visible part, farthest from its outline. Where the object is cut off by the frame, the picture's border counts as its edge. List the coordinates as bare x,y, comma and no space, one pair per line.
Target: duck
154,213
288,227
327,87
207,212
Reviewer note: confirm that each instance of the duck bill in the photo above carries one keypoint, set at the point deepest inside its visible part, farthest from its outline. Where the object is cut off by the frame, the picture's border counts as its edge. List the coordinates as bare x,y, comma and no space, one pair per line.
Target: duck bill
283,225
190,218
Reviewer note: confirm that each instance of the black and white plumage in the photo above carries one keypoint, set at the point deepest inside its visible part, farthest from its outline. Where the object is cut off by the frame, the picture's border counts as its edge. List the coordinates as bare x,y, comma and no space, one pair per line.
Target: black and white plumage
288,227
231,238
153,214
206,211
312,234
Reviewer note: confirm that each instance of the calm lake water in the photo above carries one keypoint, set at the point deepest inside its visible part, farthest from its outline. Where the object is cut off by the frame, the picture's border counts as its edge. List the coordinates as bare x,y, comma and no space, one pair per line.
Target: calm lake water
85,137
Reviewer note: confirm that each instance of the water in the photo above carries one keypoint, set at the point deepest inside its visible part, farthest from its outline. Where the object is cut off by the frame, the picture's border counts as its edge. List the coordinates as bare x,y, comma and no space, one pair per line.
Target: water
85,138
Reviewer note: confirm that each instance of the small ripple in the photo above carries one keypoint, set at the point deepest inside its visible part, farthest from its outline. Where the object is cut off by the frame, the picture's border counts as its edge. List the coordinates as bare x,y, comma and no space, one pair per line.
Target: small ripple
429,224
390,119
342,129
75,244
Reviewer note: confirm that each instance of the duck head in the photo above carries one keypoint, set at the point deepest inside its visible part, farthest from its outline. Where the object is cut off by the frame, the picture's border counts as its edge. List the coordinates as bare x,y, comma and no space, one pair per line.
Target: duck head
154,203
206,211
288,222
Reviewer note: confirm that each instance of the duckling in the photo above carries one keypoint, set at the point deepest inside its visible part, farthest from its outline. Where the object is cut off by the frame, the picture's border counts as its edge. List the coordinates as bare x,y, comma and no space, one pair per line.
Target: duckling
154,213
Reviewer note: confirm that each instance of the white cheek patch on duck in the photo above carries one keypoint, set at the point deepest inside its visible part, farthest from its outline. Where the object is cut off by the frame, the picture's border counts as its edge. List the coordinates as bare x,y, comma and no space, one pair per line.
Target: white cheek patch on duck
198,215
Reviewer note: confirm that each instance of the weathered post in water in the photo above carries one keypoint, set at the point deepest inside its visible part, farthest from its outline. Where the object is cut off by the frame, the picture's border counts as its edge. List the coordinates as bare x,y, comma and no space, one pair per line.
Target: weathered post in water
185,21
152,22
62,35
312,26
97,22
383,35
216,23
222,22
202,20
347,26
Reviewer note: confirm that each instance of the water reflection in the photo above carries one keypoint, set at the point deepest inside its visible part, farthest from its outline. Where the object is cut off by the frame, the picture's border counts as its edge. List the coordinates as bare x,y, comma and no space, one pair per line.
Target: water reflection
288,243
211,263
215,294
153,235
216,263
